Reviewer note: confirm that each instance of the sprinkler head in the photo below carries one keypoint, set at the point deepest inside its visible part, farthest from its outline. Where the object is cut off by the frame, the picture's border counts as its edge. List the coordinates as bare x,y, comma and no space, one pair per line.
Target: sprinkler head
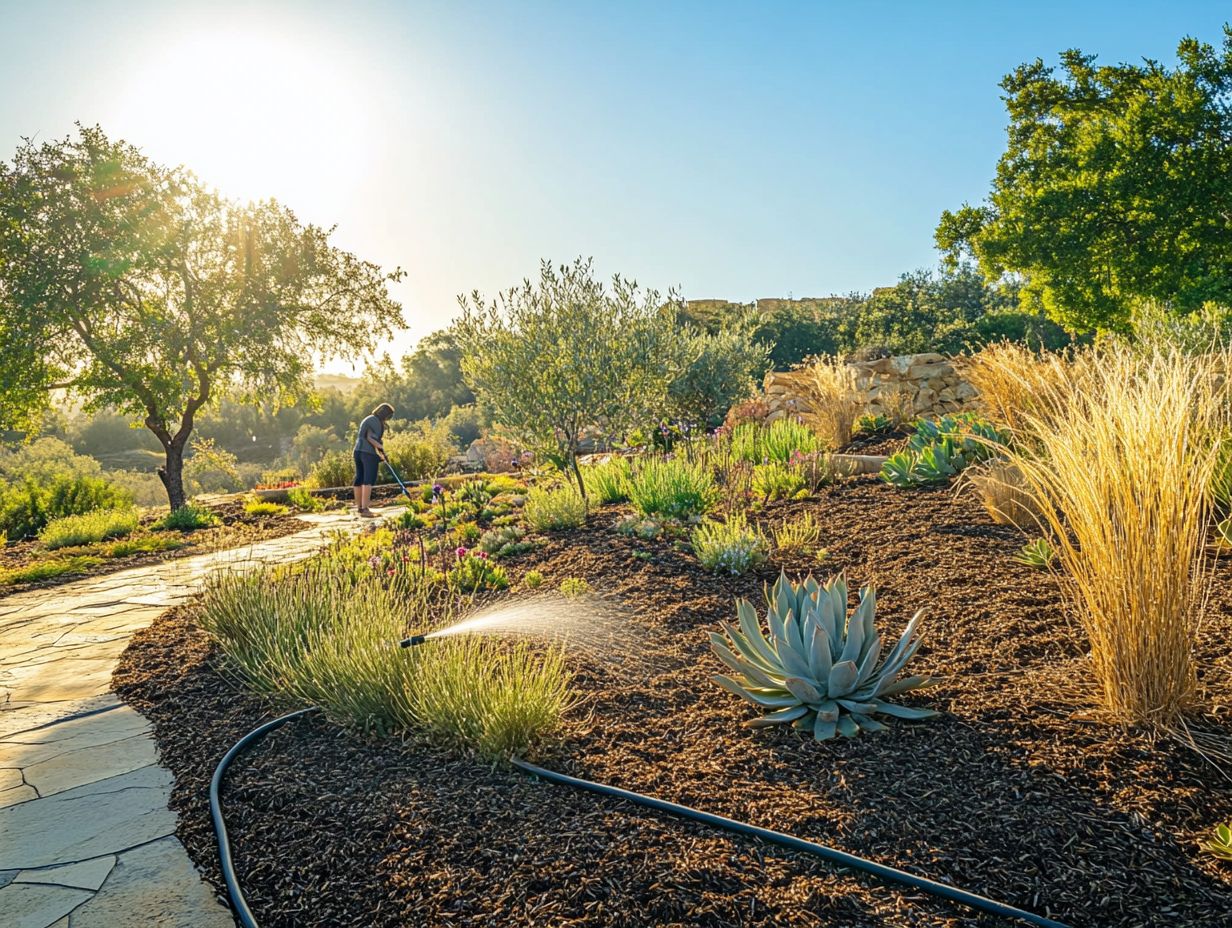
412,641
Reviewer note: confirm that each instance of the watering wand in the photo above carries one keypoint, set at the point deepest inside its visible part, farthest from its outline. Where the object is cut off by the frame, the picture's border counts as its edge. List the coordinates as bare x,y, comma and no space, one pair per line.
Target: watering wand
397,479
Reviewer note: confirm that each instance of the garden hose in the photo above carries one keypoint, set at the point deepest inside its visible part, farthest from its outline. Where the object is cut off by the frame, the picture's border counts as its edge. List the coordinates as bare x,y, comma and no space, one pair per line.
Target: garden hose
891,874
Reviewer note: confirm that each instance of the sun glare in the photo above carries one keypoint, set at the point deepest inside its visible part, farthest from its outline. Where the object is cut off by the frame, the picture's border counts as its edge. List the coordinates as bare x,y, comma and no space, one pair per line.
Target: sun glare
255,115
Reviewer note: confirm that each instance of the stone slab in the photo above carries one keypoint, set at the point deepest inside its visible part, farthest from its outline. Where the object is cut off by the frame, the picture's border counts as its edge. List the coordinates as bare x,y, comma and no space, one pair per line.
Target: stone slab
27,905
85,874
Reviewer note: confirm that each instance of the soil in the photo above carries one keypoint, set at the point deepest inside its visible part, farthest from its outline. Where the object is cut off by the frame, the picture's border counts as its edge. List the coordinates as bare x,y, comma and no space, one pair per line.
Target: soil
236,529
884,441
1013,793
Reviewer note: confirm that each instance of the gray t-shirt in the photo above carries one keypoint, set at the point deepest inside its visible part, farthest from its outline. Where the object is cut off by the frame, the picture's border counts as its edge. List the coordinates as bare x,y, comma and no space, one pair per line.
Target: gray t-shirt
371,426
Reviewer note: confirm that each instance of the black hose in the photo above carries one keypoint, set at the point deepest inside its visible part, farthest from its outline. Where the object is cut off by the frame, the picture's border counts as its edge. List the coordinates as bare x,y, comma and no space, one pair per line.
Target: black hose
220,826
942,890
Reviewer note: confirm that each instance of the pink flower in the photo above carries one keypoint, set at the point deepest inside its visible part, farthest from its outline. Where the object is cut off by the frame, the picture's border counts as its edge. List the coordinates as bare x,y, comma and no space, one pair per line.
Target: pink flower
461,552
483,555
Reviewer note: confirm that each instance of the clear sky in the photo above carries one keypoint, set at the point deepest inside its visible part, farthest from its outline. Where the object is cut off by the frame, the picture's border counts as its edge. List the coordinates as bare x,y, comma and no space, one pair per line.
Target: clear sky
736,150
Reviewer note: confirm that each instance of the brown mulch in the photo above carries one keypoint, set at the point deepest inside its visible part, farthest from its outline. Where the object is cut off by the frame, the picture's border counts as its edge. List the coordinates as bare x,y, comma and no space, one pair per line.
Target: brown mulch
886,441
237,529
1011,793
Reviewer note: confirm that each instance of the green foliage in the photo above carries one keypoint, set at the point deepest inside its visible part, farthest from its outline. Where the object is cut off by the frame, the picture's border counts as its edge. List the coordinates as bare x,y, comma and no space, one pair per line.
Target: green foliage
942,449
674,488
800,535
187,519
336,469
640,527
532,579
812,667
724,368
310,444
211,469
152,294
146,544
255,506
871,425
505,541
467,533
26,507
303,634
49,569
779,441
1116,187
427,384
731,547
99,525
608,482
1038,554
573,587
1220,843
410,521
564,354
554,508
475,573
304,500
418,451
777,481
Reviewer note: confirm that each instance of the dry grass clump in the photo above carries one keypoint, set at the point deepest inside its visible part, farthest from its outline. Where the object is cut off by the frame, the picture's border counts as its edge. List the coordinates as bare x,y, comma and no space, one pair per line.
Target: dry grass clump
1017,384
1118,465
1005,495
834,402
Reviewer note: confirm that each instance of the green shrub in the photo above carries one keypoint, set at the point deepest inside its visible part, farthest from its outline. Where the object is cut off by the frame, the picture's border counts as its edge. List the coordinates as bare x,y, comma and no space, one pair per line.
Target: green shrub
643,528
799,535
674,488
303,500
505,541
731,547
419,451
303,634
187,519
255,506
147,544
336,469
475,573
99,525
410,521
532,579
761,444
872,424
27,506
554,508
467,533
942,449
608,482
46,570
776,481
573,587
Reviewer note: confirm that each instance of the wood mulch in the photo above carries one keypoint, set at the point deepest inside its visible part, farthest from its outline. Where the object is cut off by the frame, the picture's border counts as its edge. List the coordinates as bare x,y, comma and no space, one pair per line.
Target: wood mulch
1012,793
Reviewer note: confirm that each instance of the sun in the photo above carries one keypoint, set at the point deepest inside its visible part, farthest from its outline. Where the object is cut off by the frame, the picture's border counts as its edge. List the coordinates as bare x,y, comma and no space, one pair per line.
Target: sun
253,113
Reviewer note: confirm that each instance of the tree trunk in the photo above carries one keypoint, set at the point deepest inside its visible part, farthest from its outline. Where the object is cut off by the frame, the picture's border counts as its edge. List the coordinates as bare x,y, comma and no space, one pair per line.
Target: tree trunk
577,472
172,475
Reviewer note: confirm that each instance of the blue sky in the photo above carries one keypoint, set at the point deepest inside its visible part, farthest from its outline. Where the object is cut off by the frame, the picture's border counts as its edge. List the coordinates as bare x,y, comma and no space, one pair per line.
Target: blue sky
736,150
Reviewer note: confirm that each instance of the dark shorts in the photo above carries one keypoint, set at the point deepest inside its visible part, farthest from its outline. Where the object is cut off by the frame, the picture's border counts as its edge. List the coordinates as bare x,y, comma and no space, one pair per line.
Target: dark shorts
365,469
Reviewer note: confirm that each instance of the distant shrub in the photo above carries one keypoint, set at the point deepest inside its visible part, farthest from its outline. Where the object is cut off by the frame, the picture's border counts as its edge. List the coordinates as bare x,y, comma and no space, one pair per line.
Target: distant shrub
27,506
47,570
553,509
776,481
255,506
301,498
475,573
91,527
336,469
532,580
778,441
419,451
573,587
674,488
731,547
505,541
187,518
608,482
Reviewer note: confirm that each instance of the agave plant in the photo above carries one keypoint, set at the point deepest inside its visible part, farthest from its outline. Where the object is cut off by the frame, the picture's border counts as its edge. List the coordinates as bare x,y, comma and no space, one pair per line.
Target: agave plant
1038,554
1221,843
814,668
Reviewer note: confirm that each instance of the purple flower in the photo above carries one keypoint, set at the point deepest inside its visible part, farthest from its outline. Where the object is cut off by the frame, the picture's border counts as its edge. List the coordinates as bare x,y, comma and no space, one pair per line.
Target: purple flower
438,490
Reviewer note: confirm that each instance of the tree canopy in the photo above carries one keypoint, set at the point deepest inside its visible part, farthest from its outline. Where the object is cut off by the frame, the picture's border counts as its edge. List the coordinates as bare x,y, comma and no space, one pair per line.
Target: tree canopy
139,289
1115,187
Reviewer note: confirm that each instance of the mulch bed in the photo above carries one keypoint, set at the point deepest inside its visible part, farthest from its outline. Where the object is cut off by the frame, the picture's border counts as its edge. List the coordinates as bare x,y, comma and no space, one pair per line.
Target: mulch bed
1010,793
236,529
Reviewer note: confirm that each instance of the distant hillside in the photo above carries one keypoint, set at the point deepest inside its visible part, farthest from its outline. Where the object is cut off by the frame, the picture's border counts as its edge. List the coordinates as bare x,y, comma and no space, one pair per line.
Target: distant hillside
340,382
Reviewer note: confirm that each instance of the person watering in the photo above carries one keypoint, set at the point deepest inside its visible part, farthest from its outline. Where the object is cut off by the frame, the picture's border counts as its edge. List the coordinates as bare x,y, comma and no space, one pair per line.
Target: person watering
369,452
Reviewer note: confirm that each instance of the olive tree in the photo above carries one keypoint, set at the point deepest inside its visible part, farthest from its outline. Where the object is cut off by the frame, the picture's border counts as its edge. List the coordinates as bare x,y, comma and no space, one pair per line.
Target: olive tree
723,368
555,357
138,289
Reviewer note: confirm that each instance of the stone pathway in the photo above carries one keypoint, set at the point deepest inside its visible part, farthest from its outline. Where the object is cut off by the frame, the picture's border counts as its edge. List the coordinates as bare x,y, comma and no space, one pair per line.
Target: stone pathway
86,837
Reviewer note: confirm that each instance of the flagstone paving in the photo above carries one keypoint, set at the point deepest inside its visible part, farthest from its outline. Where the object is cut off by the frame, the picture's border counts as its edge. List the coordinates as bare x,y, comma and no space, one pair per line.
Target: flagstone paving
86,837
